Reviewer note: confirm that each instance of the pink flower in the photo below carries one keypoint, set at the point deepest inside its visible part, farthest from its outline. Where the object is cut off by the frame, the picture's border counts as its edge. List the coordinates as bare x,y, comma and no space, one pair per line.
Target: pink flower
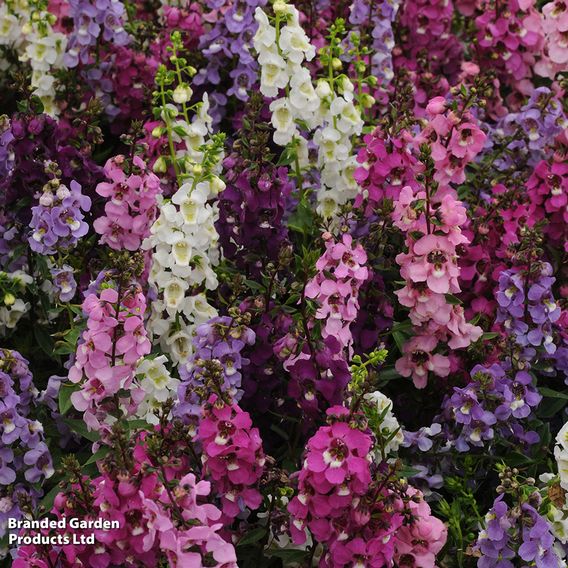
336,286
433,260
417,543
131,208
232,455
418,360
467,141
109,349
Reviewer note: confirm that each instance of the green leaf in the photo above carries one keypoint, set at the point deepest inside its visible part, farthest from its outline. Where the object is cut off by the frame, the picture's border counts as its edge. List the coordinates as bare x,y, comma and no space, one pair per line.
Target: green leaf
65,392
98,455
301,220
405,325
516,459
399,339
549,393
287,157
489,335
252,536
407,472
452,300
49,498
288,556
44,340
63,348
79,427
388,374
551,408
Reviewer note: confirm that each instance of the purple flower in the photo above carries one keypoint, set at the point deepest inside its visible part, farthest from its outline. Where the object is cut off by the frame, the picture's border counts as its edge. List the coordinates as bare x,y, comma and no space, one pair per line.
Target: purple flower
39,460
89,19
496,399
21,436
537,540
7,474
58,220
64,282
379,15
216,362
421,438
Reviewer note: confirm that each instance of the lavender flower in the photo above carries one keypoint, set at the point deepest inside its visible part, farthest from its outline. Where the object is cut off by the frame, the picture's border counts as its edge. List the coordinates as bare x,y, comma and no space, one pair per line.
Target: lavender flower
216,362
529,315
541,119
497,399
230,40
377,18
421,438
64,282
57,221
494,541
23,452
89,19
537,540
6,137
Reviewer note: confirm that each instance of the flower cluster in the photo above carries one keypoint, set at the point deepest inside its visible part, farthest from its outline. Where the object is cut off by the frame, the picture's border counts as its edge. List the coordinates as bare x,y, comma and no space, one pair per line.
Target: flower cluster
495,403
131,207
341,271
335,475
14,306
58,221
109,350
25,458
527,308
377,22
216,363
232,455
328,107
511,534
183,239
93,20
149,520
230,38
27,28
252,206
510,37
158,385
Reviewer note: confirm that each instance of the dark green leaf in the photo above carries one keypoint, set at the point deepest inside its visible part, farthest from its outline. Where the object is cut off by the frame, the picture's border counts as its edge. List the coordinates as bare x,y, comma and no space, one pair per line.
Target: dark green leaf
549,393
252,536
98,455
65,392
79,427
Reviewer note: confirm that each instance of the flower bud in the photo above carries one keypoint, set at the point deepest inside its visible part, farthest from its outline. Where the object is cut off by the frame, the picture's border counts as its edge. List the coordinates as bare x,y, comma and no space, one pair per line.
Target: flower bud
182,94
160,165
323,89
367,101
9,299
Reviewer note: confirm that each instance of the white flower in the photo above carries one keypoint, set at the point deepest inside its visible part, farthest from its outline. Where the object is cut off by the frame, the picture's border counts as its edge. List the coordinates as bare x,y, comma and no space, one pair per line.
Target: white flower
184,242
157,384
283,121
174,294
389,424
303,96
265,36
273,72
179,345
182,94
295,44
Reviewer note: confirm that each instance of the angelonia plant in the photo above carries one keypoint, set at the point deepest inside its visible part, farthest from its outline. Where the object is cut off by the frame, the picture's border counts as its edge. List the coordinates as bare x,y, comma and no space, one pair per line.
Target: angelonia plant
284,284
